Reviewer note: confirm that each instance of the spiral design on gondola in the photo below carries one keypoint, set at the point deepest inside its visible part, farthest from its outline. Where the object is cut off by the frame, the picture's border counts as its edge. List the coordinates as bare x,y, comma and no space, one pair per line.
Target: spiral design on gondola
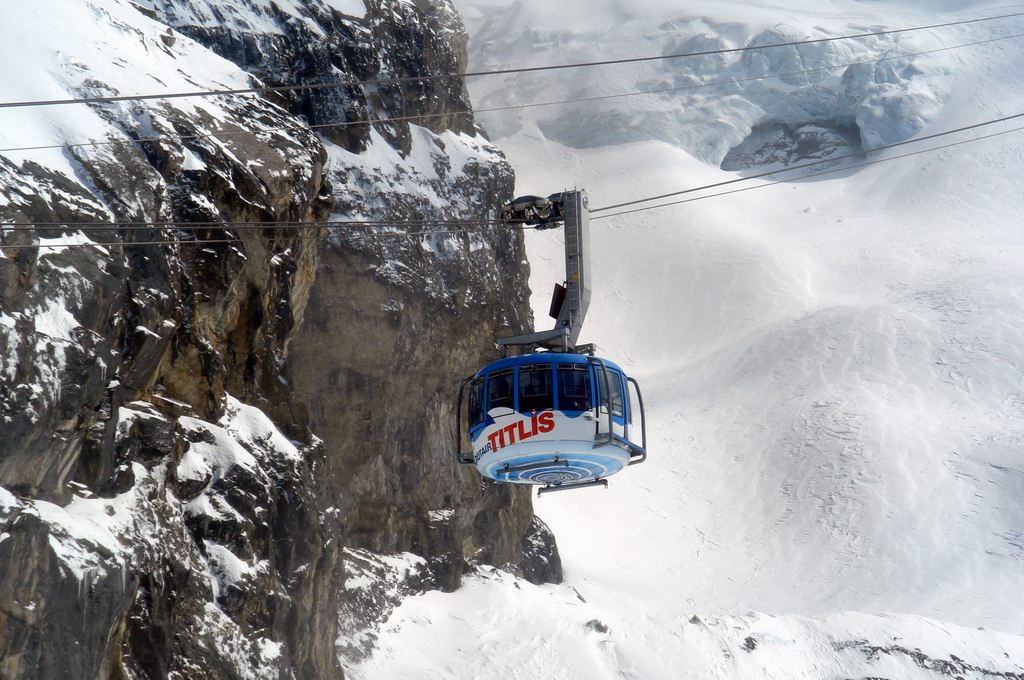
546,470
559,475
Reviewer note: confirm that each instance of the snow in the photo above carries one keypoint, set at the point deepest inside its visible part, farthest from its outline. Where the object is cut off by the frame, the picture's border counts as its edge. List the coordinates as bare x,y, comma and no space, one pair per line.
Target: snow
375,584
234,646
270,650
833,368
53,246
84,534
228,568
353,8
192,161
498,622
7,500
143,62
439,516
250,426
362,564
267,18
382,166
431,176
55,322
212,453
9,359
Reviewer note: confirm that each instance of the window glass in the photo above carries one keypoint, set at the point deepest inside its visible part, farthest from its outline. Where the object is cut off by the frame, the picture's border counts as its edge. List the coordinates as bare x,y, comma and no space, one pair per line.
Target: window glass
476,402
573,387
535,388
614,379
615,390
499,389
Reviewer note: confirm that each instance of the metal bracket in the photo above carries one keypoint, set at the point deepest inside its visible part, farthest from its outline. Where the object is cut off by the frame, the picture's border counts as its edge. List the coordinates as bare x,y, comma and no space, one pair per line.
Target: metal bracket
556,338
535,211
535,466
575,485
572,209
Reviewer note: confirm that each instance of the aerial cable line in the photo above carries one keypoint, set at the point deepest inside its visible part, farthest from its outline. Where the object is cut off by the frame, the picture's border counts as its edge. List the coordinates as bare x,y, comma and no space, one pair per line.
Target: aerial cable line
248,225
484,222
810,174
510,107
476,74
513,226
810,164
186,242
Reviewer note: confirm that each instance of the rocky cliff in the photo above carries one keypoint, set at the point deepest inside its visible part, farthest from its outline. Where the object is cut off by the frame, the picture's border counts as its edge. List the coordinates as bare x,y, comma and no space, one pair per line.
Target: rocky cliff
206,425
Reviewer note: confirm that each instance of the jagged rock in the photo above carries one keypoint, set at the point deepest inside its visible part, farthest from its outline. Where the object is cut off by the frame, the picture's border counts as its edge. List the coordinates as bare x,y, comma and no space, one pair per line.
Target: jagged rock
44,599
540,562
86,332
776,145
160,404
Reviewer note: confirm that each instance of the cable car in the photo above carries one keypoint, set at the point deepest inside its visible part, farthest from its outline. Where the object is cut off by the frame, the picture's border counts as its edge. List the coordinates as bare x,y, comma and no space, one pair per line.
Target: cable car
555,415
557,419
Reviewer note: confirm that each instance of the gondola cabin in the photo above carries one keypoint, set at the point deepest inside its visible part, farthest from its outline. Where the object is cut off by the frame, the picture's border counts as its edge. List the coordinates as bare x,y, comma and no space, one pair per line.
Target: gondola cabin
561,420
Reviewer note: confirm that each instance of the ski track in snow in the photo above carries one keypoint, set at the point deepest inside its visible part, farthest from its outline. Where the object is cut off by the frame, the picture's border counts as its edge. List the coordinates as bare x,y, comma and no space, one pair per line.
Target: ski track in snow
833,368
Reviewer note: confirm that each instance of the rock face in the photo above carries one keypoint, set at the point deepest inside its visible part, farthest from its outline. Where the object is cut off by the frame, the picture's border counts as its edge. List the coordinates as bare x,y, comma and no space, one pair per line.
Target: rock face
391,328
394,322
778,146
201,425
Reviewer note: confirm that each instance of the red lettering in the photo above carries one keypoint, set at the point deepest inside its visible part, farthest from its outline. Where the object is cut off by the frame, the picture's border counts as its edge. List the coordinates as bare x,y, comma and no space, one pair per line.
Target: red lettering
518,431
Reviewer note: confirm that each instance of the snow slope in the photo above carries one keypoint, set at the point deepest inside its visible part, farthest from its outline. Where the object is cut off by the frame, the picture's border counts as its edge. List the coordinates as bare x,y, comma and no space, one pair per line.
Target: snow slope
834,367
149,57
499,627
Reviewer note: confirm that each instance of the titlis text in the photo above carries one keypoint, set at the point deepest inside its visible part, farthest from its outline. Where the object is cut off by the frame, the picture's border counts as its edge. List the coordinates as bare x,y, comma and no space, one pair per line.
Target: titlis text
539,423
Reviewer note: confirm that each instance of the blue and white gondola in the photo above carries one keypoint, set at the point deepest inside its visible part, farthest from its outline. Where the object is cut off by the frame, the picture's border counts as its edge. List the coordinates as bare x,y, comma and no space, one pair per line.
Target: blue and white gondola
555,419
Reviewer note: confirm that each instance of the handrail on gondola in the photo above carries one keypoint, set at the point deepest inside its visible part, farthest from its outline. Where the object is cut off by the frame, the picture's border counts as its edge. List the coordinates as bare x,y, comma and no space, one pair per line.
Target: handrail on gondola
465,457
643,424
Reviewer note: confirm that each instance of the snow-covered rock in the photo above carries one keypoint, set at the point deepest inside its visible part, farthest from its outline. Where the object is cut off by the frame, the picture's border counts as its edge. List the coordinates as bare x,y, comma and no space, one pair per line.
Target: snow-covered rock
155,381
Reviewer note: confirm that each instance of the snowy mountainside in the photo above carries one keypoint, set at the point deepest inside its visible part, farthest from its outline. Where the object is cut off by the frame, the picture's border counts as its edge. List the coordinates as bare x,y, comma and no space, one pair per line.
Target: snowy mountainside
832,366
499,626
173,502
854,94
137,486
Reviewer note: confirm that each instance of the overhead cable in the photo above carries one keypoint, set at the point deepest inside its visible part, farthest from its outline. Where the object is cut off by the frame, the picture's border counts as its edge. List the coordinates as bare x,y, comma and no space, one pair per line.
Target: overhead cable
510,107
475,74
96,225
597,217
810,174
194,242
246,225
799,166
